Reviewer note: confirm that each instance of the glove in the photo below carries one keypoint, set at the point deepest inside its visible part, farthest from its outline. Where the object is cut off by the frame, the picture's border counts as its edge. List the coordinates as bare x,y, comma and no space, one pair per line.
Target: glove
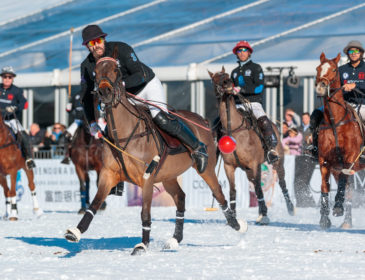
236,90
95,130
10,109
69,107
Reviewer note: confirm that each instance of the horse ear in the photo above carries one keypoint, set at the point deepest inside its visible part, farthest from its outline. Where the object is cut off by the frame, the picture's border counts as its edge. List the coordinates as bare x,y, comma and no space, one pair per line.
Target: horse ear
338,57
210,74
223,70
115,52
322,57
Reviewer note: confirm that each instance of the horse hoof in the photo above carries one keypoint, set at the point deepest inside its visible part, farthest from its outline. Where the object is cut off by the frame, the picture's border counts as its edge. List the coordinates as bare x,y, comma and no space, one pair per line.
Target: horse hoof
337,211
243,226
139,249
82,211
325,222
171,244
262,220
38,212
291,208
13,218
346,225
73,235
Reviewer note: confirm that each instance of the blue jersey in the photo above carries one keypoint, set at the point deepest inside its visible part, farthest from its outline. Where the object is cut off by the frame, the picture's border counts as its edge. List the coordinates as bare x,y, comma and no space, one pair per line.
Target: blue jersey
12,96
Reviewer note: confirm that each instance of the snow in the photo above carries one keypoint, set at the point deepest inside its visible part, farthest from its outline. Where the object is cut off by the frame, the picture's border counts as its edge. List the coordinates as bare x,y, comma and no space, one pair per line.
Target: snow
289,248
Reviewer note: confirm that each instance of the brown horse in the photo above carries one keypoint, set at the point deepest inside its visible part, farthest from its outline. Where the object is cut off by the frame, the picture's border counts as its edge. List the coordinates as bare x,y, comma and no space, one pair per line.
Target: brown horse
339,138
130,126
249,154
86,155
11,161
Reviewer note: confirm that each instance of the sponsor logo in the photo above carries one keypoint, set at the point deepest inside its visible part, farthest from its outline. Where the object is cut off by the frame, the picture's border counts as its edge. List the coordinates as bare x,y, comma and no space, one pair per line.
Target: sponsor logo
234,75
248,72
345,75
361,75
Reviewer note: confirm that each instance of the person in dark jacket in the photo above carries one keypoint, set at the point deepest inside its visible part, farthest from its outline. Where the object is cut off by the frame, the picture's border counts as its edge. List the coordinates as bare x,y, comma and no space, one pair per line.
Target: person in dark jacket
73,107
12,103
248,78
140,80
352,76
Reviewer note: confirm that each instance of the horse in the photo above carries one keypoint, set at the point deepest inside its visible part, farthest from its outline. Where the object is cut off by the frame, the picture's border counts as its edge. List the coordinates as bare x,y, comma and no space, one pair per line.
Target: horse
11,161
86,155
133,127
249,153
339,139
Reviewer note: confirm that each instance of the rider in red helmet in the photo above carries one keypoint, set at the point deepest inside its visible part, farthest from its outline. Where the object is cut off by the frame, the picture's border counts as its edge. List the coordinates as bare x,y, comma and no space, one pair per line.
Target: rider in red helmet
248,78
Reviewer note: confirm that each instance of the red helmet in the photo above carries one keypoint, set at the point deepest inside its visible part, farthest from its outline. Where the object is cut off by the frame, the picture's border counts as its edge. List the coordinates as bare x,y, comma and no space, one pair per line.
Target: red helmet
242,44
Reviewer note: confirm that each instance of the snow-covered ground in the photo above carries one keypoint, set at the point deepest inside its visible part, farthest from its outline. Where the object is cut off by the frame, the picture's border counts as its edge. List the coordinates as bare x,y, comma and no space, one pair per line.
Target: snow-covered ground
289,248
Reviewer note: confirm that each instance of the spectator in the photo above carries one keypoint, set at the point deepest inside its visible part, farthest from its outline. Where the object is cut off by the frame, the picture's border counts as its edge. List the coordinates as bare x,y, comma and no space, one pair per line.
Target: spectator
54,137
305,165
36,136
285,129
292,118
293,142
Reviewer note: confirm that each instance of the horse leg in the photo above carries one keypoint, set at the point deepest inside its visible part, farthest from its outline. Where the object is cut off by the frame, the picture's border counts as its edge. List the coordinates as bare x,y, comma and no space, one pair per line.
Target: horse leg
12,194
81,174
279,167
211,179
4,183
229,169
255,177
107,181
103,205
340,195
325,222
36,209
147,192
174,189
347,223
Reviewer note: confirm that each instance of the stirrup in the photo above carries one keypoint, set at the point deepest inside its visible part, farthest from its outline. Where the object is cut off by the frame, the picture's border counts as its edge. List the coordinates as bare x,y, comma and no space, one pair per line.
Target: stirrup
272,156
200,157
66,160
29,163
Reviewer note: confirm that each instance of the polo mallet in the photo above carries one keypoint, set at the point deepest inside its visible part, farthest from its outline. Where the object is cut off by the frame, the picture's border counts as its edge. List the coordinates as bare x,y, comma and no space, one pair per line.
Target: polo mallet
350,171
214,208
70,63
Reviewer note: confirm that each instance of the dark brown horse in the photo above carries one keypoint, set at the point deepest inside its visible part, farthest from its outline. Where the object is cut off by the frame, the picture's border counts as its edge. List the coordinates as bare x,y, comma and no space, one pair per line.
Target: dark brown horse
249,154
131,130
86,155
339,139
11,160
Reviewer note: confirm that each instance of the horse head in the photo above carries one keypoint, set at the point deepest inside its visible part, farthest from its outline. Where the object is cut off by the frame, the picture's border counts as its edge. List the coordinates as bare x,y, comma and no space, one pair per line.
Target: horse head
108,78
222,83
327,74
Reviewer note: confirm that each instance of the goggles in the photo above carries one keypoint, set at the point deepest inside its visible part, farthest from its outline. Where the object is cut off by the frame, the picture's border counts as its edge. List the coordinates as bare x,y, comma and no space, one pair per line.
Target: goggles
99,40
242,50
353,51
7,77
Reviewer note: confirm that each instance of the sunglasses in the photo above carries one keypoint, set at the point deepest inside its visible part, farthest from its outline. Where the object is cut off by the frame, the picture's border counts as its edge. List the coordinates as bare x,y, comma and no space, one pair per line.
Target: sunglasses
354,51
242,50
97,40
56,127
7,77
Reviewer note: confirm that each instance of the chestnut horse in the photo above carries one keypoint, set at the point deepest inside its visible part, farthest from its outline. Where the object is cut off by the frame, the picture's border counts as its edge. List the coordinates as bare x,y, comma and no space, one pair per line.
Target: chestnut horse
11,161
132,126
86,155
249,154
339,138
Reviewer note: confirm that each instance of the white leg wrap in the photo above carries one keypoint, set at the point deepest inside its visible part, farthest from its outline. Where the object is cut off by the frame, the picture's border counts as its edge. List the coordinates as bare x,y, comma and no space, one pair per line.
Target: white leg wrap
243,226
171,244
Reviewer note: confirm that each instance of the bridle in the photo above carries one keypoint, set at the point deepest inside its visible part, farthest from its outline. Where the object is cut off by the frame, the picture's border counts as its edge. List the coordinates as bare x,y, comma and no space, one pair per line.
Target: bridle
104,81
219,87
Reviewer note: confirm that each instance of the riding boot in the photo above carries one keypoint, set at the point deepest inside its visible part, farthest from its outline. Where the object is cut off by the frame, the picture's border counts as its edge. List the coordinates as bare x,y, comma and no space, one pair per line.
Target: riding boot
176,128
270,139
315,120
67,142
26,149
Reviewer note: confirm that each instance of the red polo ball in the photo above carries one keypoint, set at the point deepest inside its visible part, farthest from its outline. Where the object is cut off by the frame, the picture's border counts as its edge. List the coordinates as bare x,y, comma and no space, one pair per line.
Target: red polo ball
227,144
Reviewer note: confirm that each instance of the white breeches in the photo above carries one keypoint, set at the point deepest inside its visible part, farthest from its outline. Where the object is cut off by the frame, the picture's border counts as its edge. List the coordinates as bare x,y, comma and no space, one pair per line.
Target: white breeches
15,125
257,109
